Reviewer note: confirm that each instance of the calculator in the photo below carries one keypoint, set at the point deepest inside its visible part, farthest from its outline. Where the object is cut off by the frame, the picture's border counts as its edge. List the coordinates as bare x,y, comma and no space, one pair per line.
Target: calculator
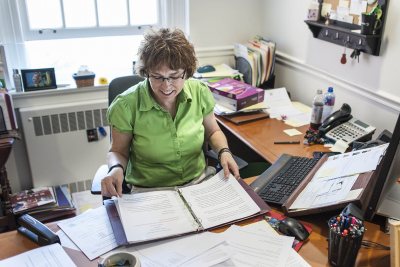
351,131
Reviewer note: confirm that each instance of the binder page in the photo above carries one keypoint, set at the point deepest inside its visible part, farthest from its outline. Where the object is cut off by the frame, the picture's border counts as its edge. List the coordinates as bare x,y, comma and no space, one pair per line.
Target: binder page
153,215
219,200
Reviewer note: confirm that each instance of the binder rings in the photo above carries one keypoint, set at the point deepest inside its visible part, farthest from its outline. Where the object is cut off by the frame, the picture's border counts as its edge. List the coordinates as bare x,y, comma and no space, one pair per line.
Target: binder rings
122,235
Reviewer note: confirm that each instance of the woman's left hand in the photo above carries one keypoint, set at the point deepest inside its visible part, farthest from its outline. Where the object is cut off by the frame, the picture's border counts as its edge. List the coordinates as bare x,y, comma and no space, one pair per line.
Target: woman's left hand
229,165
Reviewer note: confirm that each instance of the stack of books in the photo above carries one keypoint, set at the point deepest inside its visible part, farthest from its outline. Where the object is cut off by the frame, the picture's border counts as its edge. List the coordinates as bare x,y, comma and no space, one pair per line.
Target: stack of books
235,95
44,203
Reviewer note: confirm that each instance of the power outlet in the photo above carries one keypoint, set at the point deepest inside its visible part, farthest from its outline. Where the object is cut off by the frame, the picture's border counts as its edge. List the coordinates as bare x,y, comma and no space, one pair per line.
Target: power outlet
92,135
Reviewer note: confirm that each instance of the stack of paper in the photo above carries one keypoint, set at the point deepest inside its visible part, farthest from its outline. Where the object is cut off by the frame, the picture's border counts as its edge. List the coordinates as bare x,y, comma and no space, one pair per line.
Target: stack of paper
235,95
221,71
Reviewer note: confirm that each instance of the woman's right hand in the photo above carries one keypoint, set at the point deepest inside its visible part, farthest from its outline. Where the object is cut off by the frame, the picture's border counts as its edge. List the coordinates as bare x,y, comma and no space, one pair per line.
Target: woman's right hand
111,185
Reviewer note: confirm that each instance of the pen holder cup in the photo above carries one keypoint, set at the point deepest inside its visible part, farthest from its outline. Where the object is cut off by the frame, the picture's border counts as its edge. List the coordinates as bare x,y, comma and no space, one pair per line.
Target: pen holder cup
342,250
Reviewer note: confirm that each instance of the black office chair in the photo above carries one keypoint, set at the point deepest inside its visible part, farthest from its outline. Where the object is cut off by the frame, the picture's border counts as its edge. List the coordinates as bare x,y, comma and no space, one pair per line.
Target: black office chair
116,87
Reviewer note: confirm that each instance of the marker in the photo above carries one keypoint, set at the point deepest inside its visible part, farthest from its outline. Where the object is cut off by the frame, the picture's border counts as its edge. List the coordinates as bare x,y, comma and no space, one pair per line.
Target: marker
286,142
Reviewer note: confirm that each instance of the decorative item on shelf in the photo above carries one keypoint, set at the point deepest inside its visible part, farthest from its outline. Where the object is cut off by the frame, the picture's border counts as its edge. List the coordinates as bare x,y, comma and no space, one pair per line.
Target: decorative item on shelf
103,81
38,79
84,77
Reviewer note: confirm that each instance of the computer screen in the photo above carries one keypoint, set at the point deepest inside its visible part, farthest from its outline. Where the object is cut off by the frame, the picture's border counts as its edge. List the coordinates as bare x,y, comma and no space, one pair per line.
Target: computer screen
385,198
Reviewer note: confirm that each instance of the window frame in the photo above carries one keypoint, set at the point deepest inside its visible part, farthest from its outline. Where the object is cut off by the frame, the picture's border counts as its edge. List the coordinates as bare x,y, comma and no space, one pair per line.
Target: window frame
166,17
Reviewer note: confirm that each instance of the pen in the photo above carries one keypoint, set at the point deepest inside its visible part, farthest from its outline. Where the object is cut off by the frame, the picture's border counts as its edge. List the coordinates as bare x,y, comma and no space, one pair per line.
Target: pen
286,142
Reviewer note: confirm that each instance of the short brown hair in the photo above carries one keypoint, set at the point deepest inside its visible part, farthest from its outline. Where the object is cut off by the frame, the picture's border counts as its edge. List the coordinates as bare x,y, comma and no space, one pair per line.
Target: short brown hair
168,47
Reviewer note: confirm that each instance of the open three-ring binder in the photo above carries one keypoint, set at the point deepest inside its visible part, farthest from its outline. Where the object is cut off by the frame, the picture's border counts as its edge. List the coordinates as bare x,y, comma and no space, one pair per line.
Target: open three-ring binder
160,214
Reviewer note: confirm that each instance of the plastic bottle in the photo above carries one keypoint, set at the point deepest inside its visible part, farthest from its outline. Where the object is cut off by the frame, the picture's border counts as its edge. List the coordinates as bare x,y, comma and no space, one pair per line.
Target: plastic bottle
329,103
317,109
17,81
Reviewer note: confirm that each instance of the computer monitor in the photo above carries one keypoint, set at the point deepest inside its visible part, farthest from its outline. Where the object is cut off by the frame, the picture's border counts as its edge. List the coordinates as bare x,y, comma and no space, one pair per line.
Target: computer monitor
385,197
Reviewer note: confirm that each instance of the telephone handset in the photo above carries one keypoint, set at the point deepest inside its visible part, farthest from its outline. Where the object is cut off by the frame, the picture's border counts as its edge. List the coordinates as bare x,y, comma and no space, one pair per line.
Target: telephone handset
342,126
338,117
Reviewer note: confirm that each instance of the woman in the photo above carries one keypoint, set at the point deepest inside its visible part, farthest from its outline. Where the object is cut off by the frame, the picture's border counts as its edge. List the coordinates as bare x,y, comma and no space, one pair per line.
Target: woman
159,125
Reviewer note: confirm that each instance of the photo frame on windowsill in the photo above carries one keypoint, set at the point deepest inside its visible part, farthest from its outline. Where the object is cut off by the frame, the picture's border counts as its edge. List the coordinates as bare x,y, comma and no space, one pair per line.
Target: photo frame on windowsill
38,79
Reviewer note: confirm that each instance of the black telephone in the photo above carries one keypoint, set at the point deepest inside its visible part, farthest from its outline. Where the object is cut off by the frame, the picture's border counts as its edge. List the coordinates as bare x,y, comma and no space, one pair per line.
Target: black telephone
342,126
338,117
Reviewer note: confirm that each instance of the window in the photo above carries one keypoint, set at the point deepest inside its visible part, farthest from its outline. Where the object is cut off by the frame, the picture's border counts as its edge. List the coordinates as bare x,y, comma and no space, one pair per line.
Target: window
102,34
55,19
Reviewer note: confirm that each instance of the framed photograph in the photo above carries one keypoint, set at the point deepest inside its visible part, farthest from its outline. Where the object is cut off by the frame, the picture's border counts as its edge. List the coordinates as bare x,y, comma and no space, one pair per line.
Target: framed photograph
38,79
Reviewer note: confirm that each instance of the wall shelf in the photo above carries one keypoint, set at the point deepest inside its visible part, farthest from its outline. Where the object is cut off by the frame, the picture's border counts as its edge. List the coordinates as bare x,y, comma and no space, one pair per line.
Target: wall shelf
348,34
341,33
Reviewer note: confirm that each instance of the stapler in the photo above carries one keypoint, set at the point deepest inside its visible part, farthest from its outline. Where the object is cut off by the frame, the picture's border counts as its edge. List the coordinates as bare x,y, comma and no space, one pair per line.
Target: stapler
36,231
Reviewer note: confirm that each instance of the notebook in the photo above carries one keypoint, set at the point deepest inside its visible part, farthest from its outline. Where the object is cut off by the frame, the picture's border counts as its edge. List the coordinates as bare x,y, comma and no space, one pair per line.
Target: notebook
245,117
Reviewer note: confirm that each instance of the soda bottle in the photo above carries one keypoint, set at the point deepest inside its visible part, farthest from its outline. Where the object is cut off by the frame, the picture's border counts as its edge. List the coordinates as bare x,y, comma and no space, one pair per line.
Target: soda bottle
317,109
329,102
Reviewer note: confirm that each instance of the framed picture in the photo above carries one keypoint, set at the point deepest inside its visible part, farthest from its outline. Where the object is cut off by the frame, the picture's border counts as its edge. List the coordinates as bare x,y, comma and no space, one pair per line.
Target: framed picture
38,79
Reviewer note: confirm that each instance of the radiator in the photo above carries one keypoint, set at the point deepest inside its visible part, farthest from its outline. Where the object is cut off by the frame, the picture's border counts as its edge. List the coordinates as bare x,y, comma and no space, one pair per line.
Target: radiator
57,141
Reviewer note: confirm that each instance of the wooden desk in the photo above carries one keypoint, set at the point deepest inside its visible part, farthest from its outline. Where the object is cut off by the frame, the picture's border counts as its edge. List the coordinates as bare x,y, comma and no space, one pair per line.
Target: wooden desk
259,136
314,251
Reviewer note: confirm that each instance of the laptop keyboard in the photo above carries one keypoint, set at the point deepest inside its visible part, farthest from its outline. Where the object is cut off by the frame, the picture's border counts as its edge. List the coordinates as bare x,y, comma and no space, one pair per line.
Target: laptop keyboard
282,182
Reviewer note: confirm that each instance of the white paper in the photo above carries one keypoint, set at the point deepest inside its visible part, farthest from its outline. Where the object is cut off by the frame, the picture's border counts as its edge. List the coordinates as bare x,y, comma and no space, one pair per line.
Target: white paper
178,251
51,255
153,215
219,200
350,163
357,7
91,232
292,132
66,241
211,257
255,249
264,228
319,193
339,146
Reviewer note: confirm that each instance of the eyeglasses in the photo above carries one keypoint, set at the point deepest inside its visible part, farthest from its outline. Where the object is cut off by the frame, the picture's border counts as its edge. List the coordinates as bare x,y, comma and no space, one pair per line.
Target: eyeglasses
161,79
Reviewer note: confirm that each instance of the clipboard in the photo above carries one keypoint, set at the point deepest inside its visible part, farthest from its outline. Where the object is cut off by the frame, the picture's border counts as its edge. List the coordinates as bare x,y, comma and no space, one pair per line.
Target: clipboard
365,181
245,117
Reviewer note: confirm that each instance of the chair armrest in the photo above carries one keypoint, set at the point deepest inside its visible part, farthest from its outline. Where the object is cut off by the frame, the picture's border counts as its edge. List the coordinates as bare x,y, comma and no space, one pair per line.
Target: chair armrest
96,183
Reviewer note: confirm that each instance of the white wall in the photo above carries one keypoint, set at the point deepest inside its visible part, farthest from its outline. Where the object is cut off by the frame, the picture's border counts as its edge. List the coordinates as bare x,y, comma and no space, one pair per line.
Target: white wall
214,26
307,64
